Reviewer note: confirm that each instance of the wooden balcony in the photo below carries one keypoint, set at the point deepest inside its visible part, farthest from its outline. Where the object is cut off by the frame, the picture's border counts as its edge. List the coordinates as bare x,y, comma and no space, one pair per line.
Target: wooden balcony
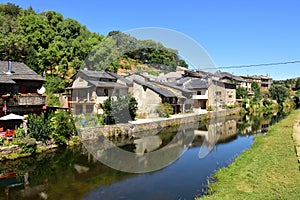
23,100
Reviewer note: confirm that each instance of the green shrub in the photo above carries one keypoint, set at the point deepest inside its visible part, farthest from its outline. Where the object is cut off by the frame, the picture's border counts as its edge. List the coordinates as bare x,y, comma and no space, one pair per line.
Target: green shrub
210,108
28,145
63,127
39,127
164,110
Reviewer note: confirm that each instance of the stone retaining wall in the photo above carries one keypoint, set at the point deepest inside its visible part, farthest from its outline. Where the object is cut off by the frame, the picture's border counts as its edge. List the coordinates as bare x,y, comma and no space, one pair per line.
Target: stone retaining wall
9,149
142,129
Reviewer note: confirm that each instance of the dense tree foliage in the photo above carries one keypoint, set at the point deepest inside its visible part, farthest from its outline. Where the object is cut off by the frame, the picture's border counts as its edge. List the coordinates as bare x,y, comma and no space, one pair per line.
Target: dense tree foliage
119,110
256,89
39,127
117,47
297,86
63,127
58,126
56,47
241,93
45,41
279,93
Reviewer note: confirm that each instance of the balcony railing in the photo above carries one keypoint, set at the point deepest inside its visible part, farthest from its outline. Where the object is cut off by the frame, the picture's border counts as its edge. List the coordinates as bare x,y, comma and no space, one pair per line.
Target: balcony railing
23,100
34,100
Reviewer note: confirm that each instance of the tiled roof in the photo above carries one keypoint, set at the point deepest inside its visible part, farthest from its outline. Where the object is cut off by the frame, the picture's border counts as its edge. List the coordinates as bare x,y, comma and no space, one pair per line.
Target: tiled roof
20,71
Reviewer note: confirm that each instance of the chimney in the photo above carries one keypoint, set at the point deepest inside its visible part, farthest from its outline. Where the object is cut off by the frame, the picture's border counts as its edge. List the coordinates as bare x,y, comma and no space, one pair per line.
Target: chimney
9,67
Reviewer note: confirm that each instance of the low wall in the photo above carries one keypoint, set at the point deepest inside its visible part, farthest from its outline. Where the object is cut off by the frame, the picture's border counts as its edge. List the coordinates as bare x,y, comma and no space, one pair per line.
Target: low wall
139,129
150,127
9,149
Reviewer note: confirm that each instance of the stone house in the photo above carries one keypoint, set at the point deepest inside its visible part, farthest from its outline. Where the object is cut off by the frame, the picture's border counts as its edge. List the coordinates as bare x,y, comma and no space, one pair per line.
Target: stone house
239,81
150,93
91,88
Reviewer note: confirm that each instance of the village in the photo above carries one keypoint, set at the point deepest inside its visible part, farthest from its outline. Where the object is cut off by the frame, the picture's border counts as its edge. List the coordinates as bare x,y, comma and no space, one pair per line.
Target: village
186,91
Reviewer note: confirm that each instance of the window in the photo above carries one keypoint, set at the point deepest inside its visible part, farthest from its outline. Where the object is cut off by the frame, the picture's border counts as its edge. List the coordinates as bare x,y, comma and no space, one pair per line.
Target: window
198,92
89,108
105,92
229,96
78,109
218,93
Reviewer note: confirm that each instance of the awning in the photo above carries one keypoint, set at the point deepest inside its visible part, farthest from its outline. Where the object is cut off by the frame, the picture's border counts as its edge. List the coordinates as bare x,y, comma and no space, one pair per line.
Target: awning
12,117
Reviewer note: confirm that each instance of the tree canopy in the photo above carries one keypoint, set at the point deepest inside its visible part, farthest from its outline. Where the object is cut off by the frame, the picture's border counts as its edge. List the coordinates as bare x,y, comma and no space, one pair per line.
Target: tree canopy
46,42
279,93
56,46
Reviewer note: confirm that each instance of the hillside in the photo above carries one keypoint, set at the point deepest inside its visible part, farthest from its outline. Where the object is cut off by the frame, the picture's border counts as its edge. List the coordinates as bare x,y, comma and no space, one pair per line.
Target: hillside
56,46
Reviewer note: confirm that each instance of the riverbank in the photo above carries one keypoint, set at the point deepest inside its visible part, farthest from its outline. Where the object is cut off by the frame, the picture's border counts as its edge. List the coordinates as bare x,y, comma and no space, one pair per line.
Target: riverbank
14,150
151,126
269,170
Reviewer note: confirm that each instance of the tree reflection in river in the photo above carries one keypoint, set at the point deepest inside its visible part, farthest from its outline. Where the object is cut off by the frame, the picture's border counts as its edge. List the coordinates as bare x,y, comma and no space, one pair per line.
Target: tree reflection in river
74,173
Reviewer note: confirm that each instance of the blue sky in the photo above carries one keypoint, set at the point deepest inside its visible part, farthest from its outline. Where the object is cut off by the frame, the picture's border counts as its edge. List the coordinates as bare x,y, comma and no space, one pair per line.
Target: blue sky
236,32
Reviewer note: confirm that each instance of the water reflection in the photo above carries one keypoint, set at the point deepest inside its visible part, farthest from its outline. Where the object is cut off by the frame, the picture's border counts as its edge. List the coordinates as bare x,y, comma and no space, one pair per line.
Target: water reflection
76,173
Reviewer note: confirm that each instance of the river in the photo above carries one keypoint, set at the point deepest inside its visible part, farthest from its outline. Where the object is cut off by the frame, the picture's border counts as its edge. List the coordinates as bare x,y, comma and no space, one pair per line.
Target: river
76,174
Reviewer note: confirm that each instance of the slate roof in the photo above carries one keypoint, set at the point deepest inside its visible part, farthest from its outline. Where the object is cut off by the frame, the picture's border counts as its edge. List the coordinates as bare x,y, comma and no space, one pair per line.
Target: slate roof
197,84
96,74
155,88
180,81
181,88
107,84
231,76
20,71
121,78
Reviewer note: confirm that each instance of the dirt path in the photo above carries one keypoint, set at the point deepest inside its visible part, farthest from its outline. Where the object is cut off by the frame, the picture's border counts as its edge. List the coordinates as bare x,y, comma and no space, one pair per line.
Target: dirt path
296,137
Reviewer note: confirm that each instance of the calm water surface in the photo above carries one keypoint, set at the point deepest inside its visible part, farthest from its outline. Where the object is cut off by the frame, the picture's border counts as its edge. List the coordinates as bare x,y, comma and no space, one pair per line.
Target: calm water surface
75,174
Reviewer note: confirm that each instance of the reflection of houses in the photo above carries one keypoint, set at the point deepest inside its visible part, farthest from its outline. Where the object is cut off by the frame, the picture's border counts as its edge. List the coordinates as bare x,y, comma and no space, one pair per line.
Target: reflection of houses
90,88
255,125
147,144
20,89
218,131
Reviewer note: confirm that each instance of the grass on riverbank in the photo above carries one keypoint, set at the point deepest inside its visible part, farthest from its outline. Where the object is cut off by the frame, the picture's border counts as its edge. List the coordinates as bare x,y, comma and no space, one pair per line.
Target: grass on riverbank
269,170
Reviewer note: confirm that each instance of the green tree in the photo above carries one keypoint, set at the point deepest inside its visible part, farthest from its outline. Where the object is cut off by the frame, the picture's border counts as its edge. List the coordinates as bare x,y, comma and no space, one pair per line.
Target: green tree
256,89
55,84
241,93
279,93
63,127
119,110
133,107
107,109
297,86
39,127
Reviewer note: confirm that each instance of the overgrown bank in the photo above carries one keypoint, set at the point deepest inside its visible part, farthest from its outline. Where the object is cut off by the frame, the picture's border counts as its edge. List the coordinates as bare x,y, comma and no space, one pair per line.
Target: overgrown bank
269,170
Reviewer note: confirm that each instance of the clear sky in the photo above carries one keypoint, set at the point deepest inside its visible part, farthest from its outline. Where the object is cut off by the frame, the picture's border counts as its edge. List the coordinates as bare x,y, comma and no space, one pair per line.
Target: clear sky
233,32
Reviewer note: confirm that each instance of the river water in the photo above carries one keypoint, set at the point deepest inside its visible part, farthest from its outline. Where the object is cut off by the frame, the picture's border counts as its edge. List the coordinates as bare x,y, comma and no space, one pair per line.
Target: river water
76,174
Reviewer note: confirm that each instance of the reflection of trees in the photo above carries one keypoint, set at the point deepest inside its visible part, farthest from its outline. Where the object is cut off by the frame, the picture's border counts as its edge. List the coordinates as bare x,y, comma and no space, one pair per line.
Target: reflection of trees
58,169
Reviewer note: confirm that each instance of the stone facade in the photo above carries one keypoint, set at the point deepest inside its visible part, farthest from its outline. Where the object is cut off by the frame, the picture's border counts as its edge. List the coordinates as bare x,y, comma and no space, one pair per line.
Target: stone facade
147,100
